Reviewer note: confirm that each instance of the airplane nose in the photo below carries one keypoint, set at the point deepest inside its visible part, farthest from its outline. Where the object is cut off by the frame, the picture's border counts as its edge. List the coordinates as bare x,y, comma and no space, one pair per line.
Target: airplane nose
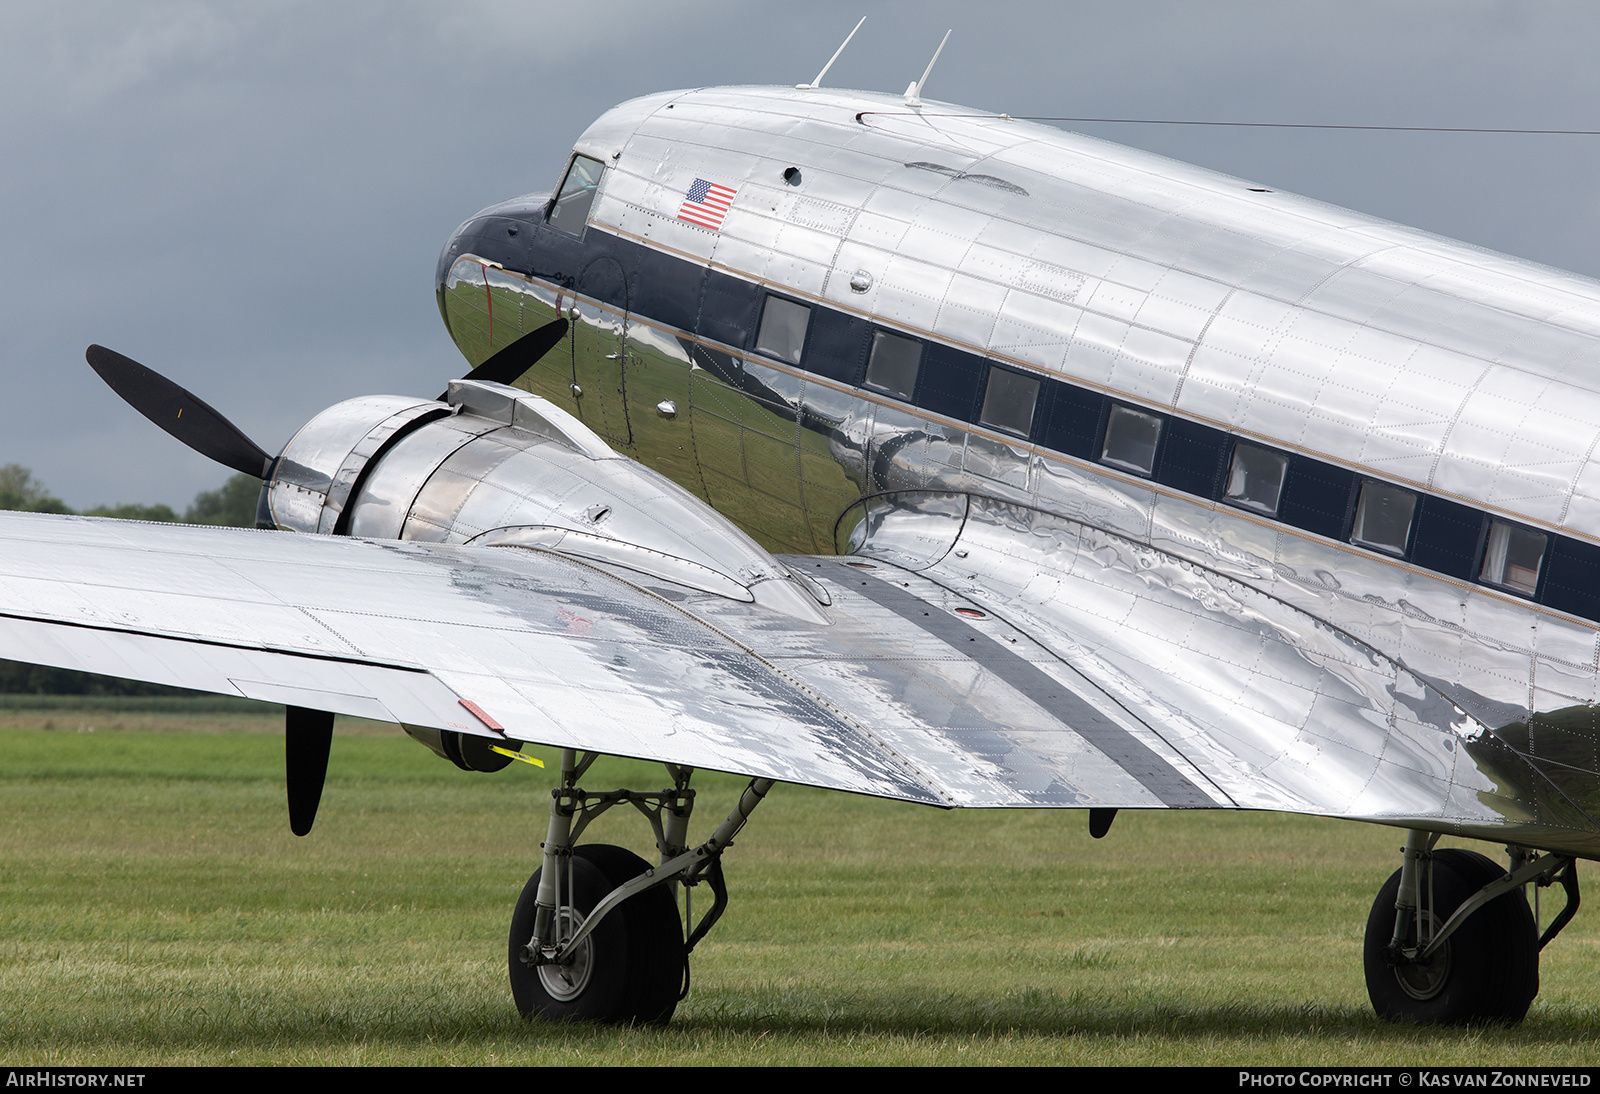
454,248
501,233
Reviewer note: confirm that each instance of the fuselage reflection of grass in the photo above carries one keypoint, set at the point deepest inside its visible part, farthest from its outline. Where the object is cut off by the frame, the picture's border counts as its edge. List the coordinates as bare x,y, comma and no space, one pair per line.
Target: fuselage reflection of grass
155,909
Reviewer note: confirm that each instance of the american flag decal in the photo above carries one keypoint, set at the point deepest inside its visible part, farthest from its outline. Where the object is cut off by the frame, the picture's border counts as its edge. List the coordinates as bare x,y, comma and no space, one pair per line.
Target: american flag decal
706,204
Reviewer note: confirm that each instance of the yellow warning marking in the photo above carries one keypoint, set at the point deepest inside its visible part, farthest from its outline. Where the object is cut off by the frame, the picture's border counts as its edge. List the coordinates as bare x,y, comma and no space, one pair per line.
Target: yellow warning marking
535,761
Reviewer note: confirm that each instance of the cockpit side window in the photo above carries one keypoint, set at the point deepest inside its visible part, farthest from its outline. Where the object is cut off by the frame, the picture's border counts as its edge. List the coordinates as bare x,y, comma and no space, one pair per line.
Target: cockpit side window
570,210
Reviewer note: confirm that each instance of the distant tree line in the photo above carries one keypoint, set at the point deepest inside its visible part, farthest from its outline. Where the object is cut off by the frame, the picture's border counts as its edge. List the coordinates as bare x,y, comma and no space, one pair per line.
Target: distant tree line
233,504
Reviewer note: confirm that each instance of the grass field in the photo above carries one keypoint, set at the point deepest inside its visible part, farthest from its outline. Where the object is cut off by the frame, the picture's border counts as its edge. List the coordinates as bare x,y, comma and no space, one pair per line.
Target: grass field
154,909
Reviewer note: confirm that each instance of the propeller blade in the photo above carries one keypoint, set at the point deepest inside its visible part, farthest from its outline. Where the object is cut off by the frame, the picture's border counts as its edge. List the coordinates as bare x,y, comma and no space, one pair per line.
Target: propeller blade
180,413
509,364
307,736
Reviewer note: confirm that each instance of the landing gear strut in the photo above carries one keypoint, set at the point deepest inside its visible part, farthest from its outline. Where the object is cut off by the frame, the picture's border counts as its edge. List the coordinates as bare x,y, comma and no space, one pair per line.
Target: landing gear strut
596,935
1451,939
629,969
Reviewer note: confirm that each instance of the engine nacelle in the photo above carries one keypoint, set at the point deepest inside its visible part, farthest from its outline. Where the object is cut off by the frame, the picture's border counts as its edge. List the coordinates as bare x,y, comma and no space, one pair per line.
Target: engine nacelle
466,751
497,466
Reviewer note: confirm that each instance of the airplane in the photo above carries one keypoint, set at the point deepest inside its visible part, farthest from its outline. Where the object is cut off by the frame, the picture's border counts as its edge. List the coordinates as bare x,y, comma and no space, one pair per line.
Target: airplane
905,449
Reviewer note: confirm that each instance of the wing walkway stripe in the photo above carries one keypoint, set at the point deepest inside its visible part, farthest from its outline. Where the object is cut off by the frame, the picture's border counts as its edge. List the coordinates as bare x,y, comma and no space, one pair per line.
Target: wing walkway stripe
1123,749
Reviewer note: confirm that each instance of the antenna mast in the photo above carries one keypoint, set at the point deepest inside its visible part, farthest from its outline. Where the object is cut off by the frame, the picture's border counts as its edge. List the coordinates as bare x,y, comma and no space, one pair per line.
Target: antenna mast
914,92
816,83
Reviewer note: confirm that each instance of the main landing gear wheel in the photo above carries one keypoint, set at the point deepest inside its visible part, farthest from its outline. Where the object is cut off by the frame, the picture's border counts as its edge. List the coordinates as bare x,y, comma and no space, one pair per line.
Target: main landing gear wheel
629,970
1486,972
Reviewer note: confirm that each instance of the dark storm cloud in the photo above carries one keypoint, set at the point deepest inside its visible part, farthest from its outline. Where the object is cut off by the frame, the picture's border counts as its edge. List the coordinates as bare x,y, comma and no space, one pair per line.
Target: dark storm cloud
251,198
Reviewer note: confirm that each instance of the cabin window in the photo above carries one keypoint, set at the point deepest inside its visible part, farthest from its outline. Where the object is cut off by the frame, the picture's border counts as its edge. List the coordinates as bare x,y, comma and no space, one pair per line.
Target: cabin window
783,329
893,365
570,210
1131,439
1513,557
1255,478
1383,517
1008,401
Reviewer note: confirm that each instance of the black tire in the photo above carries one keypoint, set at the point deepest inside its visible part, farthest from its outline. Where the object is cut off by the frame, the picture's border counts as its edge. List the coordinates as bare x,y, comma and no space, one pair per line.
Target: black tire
632,968
655,936
1486,972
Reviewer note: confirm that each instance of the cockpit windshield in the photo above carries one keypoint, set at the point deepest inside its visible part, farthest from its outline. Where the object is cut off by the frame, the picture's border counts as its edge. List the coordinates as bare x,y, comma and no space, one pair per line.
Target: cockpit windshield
571,208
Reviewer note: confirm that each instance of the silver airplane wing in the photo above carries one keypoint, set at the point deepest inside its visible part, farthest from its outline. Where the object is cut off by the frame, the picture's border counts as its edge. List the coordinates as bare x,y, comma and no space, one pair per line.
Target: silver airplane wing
976,654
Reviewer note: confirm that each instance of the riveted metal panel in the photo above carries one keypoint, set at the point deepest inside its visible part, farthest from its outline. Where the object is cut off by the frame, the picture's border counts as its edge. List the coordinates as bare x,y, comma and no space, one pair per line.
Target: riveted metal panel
1004,465
968,313
1097,500
1096,346
1181,304
435,514
911,292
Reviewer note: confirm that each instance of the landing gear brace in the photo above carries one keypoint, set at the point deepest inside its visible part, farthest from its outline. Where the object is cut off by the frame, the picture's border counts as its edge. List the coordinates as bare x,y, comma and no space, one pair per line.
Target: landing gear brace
596,935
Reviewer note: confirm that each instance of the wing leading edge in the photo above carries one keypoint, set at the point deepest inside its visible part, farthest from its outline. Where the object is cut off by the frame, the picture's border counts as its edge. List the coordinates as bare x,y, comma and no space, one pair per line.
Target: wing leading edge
977,654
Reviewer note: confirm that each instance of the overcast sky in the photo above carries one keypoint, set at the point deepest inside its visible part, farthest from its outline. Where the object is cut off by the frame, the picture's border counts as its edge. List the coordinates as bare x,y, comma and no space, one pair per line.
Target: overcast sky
250,198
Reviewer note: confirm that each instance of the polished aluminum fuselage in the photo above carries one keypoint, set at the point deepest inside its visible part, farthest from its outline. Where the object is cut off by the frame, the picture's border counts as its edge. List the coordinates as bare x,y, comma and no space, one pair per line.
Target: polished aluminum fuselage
1399,356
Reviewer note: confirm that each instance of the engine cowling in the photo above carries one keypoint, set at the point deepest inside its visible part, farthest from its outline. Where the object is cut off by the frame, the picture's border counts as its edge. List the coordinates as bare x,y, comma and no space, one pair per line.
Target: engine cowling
312,479
496,466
